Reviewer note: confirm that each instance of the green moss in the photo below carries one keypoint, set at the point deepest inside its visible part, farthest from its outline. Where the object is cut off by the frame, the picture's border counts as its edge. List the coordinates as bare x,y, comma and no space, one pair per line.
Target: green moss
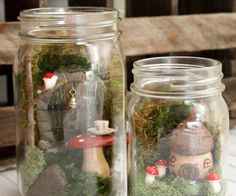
146,156
173,186
153,122
164,118
32,166
157,119
60,58
113,103
159,188
85,183
80,183
64,156
21,79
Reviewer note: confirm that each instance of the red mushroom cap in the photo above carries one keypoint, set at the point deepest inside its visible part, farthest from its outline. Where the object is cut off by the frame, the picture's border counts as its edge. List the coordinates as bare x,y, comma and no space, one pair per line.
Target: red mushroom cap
212,177
162,163
48,75
86,141
152,170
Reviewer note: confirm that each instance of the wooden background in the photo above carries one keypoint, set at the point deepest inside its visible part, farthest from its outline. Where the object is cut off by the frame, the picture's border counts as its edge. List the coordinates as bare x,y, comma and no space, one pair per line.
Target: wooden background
160,27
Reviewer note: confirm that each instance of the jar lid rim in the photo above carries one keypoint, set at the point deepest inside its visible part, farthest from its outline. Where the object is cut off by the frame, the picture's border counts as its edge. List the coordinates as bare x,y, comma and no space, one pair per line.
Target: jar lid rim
178,63
65,11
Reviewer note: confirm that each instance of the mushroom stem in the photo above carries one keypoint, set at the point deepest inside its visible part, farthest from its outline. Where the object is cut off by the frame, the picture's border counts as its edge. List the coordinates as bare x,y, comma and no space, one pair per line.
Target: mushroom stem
216,186
162,171
149,179
94,161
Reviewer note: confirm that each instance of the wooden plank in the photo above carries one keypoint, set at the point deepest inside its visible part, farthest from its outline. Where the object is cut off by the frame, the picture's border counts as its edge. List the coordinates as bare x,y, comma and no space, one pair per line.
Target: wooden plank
9,42
156,35
7,126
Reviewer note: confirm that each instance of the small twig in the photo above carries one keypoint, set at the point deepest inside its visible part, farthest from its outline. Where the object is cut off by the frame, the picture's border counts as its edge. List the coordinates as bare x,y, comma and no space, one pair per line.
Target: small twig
30,98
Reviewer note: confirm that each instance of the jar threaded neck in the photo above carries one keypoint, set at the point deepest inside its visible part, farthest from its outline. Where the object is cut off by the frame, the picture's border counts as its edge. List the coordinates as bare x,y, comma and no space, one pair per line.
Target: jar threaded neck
177,77
69,23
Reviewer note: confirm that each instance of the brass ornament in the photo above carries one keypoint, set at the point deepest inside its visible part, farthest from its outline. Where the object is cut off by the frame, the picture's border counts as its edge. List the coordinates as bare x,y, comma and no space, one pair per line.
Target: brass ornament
72,101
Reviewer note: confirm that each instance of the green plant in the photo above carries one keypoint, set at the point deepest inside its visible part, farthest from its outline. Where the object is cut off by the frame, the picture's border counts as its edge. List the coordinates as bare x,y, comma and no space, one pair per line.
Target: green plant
33,165
164,118
173,186
85,183
156,119
113,103
80,183
60,58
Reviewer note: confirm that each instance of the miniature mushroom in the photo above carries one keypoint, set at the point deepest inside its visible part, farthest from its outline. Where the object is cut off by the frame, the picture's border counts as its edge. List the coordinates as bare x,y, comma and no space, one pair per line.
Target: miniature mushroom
93,156
214,180
50,80
161,165
151,173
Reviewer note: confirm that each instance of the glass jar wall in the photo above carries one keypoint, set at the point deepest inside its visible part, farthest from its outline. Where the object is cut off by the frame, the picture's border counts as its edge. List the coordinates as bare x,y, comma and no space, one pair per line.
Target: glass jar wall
70,103
179,128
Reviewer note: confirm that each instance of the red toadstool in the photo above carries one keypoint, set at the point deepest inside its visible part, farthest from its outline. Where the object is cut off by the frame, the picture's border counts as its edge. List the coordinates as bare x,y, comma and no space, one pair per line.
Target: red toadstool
151,173
50,80
93,157
214,180
161,165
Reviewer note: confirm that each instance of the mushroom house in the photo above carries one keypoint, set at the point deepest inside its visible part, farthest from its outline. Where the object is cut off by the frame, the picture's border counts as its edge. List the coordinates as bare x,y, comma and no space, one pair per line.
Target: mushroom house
190,151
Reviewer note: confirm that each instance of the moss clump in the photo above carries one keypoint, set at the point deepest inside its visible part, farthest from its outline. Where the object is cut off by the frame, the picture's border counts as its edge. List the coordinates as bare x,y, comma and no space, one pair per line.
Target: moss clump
153,122
113,103
173,186
32,166
156,119
159,188
85,183
64,157
80,183
60,58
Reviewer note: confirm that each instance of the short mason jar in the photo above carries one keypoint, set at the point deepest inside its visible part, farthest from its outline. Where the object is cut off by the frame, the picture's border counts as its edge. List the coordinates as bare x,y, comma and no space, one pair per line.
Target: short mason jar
70,103
179,128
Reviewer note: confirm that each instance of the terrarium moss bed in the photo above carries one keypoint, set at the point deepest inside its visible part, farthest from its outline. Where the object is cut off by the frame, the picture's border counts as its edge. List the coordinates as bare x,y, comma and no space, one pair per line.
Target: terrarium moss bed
172,186
154,122
78,182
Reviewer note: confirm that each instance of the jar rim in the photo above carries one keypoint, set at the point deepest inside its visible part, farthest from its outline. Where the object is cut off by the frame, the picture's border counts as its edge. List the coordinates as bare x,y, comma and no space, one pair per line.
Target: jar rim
57,11
69,23
179,77
181,63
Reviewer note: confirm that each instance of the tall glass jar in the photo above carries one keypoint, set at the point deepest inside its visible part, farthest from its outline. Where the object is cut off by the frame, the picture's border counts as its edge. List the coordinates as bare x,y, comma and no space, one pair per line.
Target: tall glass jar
70,103
180,126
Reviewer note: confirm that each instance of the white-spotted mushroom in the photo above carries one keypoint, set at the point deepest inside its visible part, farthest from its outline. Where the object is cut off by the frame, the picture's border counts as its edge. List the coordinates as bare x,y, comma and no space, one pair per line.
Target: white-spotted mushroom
214,180
162,166
151,173
49,80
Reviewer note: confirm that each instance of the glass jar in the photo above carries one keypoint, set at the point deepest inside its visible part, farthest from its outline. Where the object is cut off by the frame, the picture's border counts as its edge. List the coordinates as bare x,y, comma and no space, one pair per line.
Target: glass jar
70,103
180,126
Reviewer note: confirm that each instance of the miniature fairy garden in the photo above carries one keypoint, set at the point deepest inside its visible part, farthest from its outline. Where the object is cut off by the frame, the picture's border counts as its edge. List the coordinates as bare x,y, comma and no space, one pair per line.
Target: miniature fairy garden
67,121
177,150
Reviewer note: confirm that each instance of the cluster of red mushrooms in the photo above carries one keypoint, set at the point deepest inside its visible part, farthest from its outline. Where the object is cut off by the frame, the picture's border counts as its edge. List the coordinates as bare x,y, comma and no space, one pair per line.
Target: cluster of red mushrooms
160,169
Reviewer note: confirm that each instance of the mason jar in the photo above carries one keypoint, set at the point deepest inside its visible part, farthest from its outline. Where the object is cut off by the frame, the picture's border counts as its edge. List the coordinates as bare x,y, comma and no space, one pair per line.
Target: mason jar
179,128
70,103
